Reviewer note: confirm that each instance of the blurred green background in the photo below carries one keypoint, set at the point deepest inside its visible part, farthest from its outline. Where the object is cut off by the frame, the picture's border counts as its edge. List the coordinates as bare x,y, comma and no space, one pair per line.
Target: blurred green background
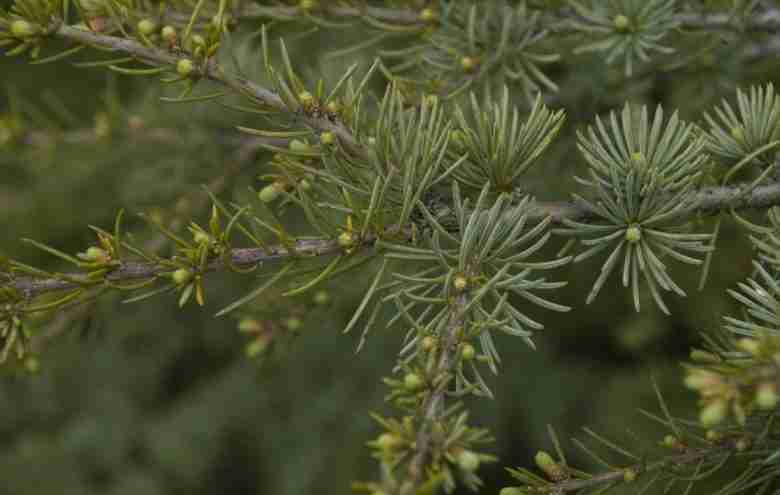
147,399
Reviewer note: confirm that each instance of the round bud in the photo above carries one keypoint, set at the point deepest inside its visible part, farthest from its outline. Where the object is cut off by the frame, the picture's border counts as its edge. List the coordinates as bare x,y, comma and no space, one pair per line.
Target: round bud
512,490
713,413
256,347
468,460
468,64
738,133
304,184
412,382
181,276
428,15
468,352
714,436
305,98
307,5
547,464
428,343
168,33
633,233
671,442
201,237
198,40
621,22
327,138
346,240
458,138
371,141
460,283
146,27
742,444
637,157
185,67
249,325
751,346
293,323
298,146
321,297
766,396
333,106
270,192
388,441
22,29
629,475
95,253
705,357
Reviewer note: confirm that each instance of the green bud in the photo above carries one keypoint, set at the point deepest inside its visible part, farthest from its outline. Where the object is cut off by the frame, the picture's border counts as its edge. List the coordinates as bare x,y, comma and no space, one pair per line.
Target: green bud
23,29
547,464
621,22
168,33
460,283
333,106
95,253
412,382
298,146
198,40
671,442
249,325
270,192
512,490
307,5
293,323
699,356
468,352
766,396
629,475
751,346
185,67
713,413
305,98
346,240
388,441
327,138
181,276
468,460
428,343
428,15
468,64
738,133
146,27
256,347
743,444
201,237
633,233
321,297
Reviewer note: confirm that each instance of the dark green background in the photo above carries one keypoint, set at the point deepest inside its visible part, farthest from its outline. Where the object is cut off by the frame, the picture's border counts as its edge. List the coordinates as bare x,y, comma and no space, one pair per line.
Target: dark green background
148,399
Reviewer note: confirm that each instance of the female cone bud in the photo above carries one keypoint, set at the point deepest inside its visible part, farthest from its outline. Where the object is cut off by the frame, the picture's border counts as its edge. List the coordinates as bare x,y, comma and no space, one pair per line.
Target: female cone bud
146,27
298,146
468,64
428,343
321,297
346,239
428,15
621,22
468,352
766,396
388,441
512,490
168,33
270,192
305,98
182,276
460,283
185,67
633,233
412,382
468,460
95,253
713,413
547,464
327,138
22,29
